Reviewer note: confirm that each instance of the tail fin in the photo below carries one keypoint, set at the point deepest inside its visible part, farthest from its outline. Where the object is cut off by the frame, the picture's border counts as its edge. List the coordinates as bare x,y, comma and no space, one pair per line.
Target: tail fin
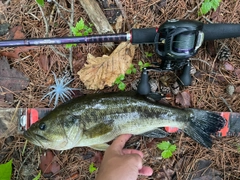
202,124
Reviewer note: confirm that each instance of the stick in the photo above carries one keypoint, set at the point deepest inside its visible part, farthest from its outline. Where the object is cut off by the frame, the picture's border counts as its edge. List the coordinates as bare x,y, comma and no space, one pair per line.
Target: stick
98,19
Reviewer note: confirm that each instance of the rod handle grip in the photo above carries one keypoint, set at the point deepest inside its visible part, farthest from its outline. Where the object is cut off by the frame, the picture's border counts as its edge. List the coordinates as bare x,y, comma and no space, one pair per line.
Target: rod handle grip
221,31
143,36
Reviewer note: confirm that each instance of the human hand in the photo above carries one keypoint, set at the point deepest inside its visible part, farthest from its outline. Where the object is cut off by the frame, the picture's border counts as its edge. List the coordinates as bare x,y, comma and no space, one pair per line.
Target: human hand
122,164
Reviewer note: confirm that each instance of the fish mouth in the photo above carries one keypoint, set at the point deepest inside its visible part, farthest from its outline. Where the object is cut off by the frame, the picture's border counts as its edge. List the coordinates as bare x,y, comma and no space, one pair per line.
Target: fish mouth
27,135
34,137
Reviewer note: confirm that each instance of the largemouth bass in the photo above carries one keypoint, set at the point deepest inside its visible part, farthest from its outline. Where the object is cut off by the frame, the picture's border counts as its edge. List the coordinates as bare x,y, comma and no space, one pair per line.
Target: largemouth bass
93,120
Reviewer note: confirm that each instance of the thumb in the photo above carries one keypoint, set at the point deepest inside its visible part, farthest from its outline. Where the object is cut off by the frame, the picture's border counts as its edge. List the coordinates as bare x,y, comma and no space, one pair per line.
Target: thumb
146,171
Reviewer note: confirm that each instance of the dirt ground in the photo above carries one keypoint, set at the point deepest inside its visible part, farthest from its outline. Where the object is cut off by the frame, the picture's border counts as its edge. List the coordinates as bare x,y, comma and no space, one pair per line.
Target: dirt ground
216,85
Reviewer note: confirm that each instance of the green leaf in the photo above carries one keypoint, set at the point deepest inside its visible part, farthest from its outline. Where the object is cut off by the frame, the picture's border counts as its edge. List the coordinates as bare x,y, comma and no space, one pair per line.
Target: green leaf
92,168
206,7
164,145
78,34
70,45
166,154
146,65
89,30
6,170
129,71
238,148
172,148
140,63
80,24
134,70
85,33
147,54
117,81
215,4
74,30
122,86
40,2
38,176
122,77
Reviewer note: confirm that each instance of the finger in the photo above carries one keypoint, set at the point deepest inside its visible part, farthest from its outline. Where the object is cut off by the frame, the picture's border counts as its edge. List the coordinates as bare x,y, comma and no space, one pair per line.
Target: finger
132,151
146,171
120,141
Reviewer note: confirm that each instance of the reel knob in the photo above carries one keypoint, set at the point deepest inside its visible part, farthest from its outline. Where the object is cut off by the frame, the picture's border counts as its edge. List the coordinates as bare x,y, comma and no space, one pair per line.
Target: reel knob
185,78
144,86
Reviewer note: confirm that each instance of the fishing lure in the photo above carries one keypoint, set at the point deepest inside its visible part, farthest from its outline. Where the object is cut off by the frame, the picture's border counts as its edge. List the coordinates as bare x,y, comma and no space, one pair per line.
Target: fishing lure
60,90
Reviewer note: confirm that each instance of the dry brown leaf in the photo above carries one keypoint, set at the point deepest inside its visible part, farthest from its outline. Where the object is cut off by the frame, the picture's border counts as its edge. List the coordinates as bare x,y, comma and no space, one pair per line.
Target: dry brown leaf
184,99
237,72
15,53
45,62
216,15
228,66
237,89
119,23
11,80
103,71
16,33
48,165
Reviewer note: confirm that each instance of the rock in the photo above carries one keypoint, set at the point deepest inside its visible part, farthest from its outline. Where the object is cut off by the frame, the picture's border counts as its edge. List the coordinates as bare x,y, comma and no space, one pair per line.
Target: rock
4,28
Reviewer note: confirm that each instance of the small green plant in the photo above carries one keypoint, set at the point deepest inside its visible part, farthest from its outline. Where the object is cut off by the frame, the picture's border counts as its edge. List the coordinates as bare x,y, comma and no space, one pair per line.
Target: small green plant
238,148
121,77
6,170
131,70
167,149
118,81
81,29
38,176
143,65
40,2
148,54
207,5
92,168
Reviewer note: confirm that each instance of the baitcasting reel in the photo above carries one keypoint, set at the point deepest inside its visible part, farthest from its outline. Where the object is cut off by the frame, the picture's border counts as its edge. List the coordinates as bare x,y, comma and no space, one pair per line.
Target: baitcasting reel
178,40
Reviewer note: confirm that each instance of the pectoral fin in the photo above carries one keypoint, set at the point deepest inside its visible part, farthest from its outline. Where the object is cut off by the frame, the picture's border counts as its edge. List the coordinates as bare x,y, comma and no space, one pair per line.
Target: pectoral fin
98,130
100,147
157,133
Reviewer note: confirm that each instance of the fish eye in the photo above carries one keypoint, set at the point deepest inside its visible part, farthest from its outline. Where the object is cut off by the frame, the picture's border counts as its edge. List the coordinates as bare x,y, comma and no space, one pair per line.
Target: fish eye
42,126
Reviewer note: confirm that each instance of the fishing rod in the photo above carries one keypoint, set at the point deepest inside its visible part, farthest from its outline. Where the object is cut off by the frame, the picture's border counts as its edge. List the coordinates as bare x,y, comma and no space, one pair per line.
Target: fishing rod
175,42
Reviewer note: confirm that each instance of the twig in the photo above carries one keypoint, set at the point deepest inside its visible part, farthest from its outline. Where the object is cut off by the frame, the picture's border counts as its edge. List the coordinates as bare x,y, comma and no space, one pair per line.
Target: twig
59,12
192,10
197,59
225,102
47,30
59,5
208,20
71,24
119,5
25,161
45,21
58,52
